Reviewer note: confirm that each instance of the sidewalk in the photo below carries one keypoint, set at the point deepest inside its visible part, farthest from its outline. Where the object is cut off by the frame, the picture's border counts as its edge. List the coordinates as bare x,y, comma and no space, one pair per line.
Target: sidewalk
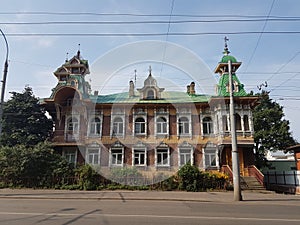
124,195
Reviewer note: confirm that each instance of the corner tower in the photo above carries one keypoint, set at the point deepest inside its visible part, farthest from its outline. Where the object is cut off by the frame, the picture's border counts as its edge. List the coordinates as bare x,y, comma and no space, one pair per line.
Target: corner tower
222,69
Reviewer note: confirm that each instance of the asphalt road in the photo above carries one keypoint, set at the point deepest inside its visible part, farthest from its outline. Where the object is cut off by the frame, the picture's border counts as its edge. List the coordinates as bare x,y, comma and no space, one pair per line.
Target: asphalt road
130,212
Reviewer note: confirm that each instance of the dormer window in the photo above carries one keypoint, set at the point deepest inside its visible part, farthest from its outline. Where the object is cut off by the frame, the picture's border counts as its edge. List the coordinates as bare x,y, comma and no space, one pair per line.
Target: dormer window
150,94
150,89
75,70
63,78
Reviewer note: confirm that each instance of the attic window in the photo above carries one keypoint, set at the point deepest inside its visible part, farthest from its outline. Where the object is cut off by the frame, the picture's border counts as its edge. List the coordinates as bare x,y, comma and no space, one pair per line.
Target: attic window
63,78
150,94
75,70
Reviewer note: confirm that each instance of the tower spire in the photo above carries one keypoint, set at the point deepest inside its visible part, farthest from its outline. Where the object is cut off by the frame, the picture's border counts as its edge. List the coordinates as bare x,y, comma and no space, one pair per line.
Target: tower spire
150,70
226,51
78,52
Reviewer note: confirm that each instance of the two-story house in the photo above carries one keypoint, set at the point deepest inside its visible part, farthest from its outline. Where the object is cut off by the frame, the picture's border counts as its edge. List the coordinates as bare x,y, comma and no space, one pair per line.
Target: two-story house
150,127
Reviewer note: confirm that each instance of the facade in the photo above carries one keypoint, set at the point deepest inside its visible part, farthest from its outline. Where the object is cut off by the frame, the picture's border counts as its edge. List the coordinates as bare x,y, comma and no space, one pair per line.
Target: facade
150,127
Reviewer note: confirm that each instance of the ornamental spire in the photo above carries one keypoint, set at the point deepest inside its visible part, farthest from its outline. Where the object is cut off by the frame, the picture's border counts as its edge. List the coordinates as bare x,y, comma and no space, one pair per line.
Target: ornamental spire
226,51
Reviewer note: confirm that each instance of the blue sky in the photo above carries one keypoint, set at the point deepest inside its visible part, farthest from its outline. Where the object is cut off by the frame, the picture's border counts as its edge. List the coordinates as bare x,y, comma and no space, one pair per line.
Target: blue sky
267,57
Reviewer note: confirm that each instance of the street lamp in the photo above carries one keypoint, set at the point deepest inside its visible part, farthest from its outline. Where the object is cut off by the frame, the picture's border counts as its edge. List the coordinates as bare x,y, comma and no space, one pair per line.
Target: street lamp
3,82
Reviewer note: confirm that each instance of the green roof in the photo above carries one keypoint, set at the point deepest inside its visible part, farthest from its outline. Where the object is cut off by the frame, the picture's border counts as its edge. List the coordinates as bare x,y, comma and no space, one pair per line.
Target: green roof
223,83
226,58
167,97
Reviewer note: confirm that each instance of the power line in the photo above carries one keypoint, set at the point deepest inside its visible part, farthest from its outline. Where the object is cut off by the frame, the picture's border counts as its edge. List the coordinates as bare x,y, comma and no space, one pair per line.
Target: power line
146,22
167,36
143,15
259,38
154,34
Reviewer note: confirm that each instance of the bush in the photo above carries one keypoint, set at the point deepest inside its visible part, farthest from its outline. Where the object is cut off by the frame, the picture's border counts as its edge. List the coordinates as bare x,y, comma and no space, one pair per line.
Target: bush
128,176
88,178
189,178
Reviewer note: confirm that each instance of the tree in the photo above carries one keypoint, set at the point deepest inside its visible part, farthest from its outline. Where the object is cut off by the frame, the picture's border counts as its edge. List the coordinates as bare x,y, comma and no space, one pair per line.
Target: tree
272,131
37,166
24,120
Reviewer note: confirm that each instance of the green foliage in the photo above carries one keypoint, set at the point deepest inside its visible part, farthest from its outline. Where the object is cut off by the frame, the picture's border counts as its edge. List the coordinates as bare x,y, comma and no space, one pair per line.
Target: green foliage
36,166
24,120
127,175
88,177
272,131
189,178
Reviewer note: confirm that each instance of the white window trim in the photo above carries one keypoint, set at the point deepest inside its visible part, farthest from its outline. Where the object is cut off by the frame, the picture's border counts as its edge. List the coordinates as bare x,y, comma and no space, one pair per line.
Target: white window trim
116,147
156,158
89,126
166,117
189,117
74,135
191,152
211,126
113,117
146,125
92,147
141,149
217,159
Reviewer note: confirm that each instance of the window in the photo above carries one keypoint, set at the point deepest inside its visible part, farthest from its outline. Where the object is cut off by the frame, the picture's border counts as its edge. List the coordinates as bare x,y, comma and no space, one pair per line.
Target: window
185,156
95,126
70,156
225,124
139,157
207,125
210,158
118,126
116,157
246,123
238,124
150,94
93,156
162,157
140,126
184,127
73,125
161,125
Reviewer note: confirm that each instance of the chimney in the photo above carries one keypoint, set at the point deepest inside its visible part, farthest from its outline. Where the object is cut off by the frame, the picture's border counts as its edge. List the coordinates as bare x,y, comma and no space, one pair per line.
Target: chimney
192,88
131,89
188,89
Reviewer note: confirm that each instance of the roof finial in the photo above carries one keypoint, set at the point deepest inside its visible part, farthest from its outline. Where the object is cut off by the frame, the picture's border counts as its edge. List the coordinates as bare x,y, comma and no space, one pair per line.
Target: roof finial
78,52
226,51
67,56
150,70
135,77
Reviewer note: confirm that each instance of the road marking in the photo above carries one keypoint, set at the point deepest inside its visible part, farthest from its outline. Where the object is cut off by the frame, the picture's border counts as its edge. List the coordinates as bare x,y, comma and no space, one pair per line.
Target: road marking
151,216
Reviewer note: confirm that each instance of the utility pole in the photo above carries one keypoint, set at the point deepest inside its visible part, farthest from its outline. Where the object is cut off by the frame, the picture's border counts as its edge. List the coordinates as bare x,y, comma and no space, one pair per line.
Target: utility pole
3,82
234,150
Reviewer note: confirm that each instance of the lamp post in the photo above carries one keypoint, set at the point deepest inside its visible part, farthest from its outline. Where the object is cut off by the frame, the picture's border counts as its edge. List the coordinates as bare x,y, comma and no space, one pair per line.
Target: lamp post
235,153
3,82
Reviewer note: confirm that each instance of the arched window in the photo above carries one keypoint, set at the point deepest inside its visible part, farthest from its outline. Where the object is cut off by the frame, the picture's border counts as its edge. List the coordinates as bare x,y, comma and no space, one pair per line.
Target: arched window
246,123
73,125
161,125
118,126
95,126
150,94
207,125
238,124
140,126
184,127
225,124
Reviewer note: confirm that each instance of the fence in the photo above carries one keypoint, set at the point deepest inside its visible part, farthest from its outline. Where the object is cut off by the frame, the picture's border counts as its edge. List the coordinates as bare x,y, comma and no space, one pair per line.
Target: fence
291,178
